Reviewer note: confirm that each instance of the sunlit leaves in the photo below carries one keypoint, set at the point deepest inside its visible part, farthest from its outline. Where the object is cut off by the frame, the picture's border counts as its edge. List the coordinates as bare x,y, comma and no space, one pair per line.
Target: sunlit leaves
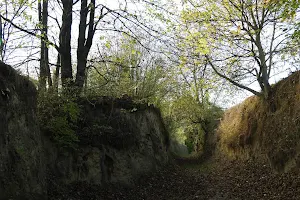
108,44
288,8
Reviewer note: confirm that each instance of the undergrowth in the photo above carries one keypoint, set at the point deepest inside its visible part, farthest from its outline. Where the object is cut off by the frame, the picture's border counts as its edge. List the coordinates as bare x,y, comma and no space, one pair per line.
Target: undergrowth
58,117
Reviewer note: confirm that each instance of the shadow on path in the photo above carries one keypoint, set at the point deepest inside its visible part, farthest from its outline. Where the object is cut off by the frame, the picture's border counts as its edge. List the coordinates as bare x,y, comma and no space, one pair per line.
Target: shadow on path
188,179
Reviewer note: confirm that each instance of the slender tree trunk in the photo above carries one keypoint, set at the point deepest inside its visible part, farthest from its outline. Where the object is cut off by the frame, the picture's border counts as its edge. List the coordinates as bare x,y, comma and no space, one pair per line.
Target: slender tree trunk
86,81
56,74
65,44
42,78
137,77
1,40
196,88
132,73
264,80
84,43
81,49
81,72
45,74
46,49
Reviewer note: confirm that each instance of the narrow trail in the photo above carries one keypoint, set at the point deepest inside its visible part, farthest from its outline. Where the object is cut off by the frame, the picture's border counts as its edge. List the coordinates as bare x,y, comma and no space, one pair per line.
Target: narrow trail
212,180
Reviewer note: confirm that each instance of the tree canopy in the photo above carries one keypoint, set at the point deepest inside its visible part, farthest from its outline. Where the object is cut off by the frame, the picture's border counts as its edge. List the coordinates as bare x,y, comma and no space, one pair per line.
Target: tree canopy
243,41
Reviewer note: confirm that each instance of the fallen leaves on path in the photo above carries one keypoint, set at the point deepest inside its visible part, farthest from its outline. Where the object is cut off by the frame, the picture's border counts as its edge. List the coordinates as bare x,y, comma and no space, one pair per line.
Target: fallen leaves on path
190,180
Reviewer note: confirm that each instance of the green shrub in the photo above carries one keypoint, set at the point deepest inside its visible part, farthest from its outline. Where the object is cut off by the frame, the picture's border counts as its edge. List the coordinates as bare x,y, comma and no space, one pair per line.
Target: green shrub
189,142
58,117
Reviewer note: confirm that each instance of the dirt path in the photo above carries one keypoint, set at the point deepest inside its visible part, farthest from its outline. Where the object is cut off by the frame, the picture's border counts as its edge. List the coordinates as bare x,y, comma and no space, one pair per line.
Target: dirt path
187,180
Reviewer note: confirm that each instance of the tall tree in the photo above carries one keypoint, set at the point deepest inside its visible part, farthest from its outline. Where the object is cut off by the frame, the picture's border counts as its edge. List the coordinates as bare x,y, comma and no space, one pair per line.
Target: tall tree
85,37
45,74
240,40
65,43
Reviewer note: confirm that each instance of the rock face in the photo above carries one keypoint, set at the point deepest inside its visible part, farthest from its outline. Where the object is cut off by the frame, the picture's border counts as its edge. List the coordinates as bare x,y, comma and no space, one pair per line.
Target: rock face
22,170
118,143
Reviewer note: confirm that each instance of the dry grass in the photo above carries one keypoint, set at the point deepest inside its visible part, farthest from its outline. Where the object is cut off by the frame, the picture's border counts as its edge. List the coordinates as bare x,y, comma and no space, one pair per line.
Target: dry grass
269,128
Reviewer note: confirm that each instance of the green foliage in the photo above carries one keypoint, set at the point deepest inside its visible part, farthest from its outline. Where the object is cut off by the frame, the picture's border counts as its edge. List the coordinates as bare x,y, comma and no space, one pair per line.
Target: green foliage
130,71
189,144
236,38
194,137
190,120
288,8
58,117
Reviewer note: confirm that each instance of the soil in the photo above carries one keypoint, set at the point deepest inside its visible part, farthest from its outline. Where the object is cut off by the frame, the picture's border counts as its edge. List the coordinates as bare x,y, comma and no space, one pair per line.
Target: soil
187,179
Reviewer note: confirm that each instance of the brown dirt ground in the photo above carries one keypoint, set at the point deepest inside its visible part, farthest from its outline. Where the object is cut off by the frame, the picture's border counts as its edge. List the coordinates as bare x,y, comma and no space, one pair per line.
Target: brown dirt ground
188,179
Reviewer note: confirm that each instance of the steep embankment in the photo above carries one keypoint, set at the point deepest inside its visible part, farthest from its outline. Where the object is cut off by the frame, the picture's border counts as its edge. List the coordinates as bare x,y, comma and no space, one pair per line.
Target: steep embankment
266,129
118,142
22,164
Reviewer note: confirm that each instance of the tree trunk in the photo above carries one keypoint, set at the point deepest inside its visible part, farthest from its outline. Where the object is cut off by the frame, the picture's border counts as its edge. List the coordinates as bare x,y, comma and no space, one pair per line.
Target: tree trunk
45,74
42,78
1,40
84,44
56,74
81,49
65,44
46,50
264,80
200,103
81,72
